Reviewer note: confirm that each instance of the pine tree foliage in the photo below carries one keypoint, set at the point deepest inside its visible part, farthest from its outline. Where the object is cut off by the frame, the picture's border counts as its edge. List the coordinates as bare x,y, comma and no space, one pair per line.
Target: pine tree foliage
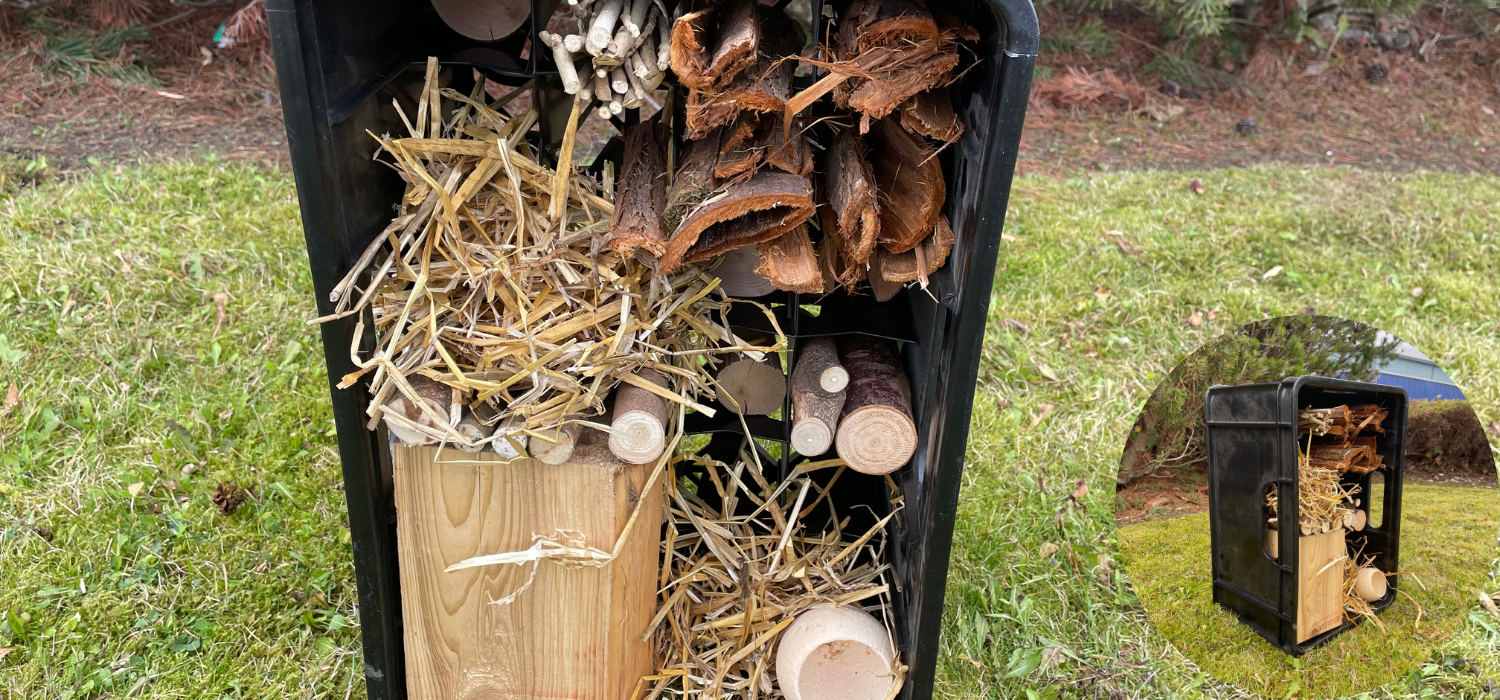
1170,430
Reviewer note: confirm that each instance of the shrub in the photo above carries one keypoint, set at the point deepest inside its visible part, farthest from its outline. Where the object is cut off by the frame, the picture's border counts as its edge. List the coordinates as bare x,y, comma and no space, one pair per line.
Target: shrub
1446,437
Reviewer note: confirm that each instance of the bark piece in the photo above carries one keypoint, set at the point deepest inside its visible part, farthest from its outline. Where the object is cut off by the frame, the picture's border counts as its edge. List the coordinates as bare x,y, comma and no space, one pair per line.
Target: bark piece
879,97
737,275
759,209
638,431
916,264
911,185
738,37
764,86
641,196
752,388
852,196
867,24
876,433
693,182
691,36
754,140
931,114
790,263
791,154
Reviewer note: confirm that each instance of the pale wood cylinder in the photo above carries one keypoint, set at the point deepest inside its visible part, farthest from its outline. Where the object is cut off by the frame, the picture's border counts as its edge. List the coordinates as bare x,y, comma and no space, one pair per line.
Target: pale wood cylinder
835,653
1370,584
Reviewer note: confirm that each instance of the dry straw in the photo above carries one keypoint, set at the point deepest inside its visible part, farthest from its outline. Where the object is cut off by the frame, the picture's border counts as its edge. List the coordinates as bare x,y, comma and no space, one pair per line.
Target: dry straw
731,583
497,281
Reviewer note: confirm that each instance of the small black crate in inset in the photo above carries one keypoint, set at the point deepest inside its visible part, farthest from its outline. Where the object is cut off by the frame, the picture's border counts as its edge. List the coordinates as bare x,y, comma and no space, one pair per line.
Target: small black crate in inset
1280,573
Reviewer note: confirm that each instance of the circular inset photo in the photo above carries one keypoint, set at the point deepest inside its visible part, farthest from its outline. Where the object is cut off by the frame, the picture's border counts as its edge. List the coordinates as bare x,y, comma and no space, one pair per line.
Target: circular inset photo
1306,506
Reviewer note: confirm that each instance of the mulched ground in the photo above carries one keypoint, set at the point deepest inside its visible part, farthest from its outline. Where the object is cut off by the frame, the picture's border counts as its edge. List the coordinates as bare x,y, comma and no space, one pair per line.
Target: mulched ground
1442,113
1438,114
223,103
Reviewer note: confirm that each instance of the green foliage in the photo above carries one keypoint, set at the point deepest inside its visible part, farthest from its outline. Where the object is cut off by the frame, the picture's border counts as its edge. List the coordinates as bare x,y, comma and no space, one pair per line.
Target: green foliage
134,398
1170,428
1089,36
1036,571
1445,531
109,55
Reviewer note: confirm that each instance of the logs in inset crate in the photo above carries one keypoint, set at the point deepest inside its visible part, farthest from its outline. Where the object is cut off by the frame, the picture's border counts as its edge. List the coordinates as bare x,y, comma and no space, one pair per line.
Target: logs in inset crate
573,631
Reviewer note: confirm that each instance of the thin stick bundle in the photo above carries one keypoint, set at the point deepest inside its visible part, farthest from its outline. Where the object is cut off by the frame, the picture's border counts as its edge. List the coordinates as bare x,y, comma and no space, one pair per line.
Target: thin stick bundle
732,583
499,304
613,51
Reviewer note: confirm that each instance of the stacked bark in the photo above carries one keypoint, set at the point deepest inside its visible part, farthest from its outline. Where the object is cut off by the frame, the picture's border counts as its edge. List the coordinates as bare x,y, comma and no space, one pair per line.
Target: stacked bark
613,51
1336,442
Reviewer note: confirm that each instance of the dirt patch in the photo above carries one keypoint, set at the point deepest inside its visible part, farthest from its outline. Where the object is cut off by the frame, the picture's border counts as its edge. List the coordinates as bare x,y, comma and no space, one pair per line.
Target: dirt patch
1444,439
1169,493
208,100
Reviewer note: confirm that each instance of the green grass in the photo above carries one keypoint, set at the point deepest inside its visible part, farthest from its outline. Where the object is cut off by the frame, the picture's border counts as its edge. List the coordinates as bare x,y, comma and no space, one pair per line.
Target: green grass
135,400
1038,603
1444,530
126,375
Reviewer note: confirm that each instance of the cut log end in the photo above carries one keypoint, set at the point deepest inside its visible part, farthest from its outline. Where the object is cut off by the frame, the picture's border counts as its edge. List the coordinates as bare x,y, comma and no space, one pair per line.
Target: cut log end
876,439
834,379
752,388
637,434
811,438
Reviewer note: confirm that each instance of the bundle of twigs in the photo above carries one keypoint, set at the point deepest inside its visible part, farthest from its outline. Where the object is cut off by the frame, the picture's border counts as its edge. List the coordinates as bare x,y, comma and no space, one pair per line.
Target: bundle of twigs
499,306
731,583
613,51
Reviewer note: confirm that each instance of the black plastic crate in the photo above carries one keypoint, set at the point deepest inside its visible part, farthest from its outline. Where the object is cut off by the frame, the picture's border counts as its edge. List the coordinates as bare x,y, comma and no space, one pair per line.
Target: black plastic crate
1252,446
340,63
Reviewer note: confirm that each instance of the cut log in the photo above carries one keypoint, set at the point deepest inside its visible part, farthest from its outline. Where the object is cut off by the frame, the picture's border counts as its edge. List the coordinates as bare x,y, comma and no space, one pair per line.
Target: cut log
737,38
836,653
819,368
692,34
911,186
641,196
510,442
736,272
459,642
483,21
558,446
931,114
1361,518
638,431
817,397
752,388
437,398
692,184
789,262
876,433
907,267
472,430
759,209
852,196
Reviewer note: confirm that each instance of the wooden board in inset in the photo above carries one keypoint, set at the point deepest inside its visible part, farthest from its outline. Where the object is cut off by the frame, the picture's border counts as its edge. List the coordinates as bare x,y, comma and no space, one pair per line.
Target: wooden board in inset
1320,596
576,631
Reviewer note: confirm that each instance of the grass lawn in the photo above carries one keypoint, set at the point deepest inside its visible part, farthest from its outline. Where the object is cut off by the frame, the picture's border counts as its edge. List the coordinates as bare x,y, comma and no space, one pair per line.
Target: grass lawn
138,392
1445,529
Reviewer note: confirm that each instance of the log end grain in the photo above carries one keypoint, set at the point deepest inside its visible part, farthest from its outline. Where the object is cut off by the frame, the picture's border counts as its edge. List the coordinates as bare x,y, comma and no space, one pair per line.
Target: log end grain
876,439
811,438
752,388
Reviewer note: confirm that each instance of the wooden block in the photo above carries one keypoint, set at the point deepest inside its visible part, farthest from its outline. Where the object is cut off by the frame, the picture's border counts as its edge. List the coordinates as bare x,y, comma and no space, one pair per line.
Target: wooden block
1320,596
576,631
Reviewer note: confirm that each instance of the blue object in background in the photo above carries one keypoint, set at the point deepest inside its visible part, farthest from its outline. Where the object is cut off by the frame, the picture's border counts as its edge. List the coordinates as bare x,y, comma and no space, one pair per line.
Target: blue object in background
1420,376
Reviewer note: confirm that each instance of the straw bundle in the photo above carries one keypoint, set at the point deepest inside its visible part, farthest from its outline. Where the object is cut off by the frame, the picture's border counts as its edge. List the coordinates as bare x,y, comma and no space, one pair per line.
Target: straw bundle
496,282
732,584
